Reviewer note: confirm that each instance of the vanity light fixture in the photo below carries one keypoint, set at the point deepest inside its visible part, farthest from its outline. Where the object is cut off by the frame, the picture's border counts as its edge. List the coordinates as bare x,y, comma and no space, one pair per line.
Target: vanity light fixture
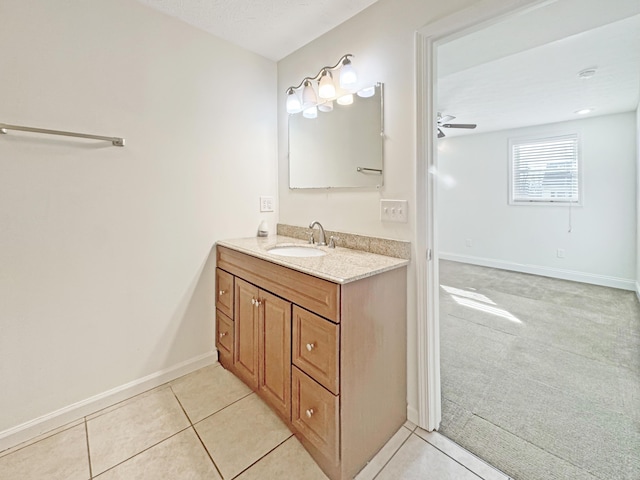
345,99
326,89
326,106
367,92
293,101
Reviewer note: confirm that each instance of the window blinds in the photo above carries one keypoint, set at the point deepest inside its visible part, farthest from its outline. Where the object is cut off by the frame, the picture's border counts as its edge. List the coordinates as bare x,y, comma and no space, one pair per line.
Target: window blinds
545,170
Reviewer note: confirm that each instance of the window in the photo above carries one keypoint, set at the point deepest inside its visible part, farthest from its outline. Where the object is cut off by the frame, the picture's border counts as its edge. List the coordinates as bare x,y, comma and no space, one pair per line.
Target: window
544,170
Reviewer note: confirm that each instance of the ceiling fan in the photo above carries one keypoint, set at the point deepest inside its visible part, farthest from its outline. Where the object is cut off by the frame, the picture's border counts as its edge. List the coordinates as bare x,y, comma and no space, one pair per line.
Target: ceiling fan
443,123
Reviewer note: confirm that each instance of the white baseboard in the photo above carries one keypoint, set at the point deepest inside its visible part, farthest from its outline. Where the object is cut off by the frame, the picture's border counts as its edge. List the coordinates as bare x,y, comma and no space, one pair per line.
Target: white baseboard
412,414
21,433
575,276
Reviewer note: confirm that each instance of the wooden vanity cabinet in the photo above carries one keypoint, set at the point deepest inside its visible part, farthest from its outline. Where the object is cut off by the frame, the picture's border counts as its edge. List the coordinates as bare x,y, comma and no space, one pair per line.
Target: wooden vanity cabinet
329,358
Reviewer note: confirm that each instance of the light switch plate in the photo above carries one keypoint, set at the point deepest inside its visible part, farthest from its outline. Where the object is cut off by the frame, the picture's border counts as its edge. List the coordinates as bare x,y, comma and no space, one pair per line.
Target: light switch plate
266,204
394,211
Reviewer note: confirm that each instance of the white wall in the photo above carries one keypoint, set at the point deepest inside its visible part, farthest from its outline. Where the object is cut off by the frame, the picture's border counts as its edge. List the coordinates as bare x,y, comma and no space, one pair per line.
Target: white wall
473,200
105,268
381,38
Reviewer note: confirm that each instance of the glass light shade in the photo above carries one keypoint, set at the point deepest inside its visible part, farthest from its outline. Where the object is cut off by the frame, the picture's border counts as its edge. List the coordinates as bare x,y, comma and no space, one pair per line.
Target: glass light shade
309,97
326,107
293,102
311,112
348,77
326,88
345,99
367,92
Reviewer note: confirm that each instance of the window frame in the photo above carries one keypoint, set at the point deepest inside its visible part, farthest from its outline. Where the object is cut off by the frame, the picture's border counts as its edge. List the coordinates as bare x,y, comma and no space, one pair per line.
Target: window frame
538,139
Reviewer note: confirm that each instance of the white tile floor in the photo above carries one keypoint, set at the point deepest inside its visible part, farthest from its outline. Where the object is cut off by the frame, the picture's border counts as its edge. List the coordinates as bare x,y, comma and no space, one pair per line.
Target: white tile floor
209,425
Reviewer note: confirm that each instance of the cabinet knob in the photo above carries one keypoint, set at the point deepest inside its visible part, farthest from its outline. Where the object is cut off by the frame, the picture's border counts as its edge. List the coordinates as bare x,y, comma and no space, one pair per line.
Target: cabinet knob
253,301
311,346
258,303
309,413
222,334
222,292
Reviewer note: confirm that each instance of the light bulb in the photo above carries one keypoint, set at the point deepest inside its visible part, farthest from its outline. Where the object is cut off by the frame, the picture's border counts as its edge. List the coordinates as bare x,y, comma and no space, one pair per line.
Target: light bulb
348,77
309,97
345,99
326,107
326,88
367,92
311,112
293,102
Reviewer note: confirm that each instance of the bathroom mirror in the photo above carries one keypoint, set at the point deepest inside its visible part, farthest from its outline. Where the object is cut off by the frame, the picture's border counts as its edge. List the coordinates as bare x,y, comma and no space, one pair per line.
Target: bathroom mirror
341,148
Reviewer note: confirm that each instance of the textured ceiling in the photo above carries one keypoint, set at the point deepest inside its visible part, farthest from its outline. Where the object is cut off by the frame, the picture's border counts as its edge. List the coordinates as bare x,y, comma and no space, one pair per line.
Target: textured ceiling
516,74
271,28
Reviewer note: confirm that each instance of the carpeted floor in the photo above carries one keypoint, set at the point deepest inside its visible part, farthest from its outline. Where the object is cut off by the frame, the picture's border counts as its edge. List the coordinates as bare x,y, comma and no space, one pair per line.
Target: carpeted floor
540,376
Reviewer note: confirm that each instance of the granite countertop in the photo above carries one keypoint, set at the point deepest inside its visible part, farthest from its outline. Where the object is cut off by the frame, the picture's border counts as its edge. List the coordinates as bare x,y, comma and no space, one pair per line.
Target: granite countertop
339,265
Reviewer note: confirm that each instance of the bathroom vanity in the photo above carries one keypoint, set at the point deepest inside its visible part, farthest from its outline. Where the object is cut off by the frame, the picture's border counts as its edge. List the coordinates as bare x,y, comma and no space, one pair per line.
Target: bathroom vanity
322,340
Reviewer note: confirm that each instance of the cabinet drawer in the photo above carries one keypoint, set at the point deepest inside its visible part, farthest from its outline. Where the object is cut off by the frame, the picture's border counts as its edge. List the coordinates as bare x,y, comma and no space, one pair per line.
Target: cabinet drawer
315,294
315,414
224,292
315,348
224,339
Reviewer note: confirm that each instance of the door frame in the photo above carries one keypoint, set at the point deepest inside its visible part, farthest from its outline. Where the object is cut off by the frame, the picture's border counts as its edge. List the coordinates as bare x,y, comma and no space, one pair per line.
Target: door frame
427,39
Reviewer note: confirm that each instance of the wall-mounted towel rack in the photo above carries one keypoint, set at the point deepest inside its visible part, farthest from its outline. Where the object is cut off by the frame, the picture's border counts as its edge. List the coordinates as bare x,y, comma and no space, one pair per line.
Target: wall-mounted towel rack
369,170
116,141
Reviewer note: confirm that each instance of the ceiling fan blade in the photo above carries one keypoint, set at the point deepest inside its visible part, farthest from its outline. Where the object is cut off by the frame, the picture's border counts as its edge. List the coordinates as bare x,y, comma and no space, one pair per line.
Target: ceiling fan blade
446,118
459,125
440,133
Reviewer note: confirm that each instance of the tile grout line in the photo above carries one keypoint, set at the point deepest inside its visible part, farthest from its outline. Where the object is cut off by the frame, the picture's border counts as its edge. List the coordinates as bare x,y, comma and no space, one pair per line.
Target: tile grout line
263,456
223,408
393,455
116,405
144,450
86,432
462,464
193,427
46,435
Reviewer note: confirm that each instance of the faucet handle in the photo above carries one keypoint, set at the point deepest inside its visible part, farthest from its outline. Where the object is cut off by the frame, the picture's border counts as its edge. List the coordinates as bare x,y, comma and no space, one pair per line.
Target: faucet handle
332,241
311,240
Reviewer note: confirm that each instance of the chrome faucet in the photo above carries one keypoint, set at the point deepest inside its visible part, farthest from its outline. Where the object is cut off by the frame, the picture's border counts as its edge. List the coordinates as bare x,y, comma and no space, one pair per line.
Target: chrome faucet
321,238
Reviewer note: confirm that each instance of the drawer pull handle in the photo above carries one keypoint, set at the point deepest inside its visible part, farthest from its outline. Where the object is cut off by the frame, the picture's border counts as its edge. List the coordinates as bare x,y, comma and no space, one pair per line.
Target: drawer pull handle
222,334
311,346
309,413
222,292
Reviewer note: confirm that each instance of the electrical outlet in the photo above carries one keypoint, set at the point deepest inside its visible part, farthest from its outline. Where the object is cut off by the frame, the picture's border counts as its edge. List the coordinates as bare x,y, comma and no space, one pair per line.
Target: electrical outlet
469,242
394,211
560,253
266,204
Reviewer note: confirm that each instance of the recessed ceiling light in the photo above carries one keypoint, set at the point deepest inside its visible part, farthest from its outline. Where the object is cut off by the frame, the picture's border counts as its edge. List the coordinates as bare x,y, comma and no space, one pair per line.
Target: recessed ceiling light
587,73
584,111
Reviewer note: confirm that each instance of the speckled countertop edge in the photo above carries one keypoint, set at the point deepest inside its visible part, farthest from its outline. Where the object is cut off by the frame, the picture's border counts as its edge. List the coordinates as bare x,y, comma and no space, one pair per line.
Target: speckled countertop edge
339,265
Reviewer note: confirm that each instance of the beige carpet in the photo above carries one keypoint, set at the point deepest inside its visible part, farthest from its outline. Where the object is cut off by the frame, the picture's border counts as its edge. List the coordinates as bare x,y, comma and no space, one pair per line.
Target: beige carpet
540,377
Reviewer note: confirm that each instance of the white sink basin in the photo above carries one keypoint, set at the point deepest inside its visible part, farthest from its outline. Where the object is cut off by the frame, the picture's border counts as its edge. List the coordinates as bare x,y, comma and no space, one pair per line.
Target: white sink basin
296,251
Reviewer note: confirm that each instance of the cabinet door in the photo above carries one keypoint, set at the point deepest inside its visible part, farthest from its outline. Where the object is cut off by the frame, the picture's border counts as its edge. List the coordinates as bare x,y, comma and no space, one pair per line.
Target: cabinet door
246,332
275,353
224,292
224,339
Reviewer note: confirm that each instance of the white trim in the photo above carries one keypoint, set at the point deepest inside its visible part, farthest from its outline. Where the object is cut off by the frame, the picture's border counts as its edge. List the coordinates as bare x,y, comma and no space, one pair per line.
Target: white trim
573,275
638,290
412,414
25,431
425,233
